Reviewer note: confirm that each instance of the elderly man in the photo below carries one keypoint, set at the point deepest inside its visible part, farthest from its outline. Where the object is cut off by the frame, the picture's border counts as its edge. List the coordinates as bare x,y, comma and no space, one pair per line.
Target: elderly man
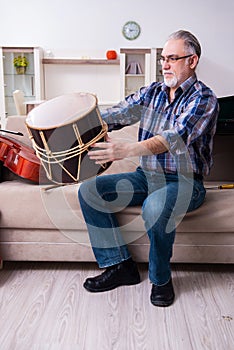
177,124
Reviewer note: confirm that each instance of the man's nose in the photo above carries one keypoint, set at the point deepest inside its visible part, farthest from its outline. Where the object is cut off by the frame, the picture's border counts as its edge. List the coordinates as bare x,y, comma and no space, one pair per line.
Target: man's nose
166,65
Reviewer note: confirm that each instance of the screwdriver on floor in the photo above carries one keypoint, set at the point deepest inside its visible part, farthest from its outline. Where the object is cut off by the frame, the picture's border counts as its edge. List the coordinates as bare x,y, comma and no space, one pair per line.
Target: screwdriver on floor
221,187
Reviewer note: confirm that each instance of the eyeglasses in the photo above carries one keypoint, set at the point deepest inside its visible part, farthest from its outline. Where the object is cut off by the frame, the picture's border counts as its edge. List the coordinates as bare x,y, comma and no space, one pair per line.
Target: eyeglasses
172,59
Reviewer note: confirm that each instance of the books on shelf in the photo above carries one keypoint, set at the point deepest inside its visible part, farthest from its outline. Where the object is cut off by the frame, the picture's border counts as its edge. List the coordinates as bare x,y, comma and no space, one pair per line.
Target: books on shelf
133,68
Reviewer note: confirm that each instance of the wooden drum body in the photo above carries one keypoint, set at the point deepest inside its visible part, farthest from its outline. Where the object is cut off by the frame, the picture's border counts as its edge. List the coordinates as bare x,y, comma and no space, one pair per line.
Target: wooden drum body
62,131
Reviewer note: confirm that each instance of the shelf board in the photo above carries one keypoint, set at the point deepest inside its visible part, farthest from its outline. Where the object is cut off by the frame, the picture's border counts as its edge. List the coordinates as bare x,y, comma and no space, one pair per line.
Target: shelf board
91,61
134,75
19,75
18,49
138,51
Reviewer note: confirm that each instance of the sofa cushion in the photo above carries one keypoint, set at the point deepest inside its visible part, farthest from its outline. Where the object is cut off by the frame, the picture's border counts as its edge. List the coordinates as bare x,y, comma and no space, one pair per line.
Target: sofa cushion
215,215
32,206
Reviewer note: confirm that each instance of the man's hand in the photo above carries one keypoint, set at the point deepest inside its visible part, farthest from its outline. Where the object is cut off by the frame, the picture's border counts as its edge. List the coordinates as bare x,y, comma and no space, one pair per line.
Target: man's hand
111,150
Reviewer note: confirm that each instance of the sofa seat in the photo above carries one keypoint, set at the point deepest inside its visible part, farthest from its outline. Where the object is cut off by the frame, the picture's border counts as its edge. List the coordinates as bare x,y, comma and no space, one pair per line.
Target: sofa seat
59,208
36,217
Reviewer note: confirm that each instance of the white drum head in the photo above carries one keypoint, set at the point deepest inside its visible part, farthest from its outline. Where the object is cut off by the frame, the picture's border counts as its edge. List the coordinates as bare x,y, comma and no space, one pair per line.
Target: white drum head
61,110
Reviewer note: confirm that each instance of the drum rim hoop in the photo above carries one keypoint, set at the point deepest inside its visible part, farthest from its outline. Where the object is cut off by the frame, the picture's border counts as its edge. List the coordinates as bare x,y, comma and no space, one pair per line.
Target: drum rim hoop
94,107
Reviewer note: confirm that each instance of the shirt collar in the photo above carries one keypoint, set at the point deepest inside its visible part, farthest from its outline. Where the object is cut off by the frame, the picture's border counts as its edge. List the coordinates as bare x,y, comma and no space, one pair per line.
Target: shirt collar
184,86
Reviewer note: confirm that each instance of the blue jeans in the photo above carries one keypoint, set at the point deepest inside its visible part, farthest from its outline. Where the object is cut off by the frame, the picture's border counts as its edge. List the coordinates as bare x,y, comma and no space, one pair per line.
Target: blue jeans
165,199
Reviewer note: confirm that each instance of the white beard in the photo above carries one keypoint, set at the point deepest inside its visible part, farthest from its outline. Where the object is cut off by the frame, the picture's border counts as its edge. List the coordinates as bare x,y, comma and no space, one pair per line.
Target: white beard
171,82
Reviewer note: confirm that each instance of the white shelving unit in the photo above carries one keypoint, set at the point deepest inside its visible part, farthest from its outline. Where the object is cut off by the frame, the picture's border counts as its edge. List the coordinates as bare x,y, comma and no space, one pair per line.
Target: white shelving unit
31,83
138,67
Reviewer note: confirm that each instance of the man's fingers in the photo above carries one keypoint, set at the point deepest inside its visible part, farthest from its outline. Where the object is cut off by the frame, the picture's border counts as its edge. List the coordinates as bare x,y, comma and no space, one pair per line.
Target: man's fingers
101,145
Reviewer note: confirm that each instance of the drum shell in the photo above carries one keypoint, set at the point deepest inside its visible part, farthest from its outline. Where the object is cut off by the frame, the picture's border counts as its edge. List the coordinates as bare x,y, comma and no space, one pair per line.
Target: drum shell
59,139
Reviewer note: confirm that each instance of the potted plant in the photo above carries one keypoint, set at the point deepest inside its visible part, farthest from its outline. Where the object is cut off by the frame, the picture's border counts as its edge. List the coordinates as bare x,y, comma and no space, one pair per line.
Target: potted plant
21,63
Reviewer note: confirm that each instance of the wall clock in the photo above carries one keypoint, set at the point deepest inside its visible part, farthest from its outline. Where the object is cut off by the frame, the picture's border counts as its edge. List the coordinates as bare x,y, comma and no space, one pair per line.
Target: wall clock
131,30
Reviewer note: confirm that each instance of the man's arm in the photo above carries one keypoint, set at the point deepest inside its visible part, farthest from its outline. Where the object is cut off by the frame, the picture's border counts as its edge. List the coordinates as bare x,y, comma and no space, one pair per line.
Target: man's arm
115,149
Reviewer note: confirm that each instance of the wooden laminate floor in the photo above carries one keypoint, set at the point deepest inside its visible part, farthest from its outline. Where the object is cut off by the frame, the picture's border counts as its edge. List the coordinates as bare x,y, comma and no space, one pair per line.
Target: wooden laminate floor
43,306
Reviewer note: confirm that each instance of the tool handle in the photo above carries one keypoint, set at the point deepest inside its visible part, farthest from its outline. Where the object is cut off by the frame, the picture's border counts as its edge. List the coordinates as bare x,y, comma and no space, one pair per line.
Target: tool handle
226,186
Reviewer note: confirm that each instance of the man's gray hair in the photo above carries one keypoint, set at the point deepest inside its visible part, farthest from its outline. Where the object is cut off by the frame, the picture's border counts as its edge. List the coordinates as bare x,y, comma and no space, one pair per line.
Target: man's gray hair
191,43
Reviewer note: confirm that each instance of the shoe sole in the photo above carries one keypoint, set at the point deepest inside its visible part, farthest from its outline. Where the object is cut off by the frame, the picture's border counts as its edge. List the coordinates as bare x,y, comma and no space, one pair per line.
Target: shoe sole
162,303
94,290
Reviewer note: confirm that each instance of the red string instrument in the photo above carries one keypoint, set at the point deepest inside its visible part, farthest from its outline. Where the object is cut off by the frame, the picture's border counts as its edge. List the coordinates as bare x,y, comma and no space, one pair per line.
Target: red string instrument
19,158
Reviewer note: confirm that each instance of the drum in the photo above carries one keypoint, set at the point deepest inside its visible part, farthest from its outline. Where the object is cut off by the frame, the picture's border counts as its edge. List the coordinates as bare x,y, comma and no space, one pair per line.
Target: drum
62,131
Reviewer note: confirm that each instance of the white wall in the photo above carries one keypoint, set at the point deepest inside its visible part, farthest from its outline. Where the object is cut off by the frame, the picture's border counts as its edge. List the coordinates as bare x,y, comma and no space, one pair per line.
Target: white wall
75,28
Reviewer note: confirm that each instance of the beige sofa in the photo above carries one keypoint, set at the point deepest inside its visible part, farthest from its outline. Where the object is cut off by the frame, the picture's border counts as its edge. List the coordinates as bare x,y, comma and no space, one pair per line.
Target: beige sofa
47,225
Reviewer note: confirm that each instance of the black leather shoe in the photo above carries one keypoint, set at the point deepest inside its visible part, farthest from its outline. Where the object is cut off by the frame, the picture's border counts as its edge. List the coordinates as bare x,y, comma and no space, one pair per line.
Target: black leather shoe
162,295
125,273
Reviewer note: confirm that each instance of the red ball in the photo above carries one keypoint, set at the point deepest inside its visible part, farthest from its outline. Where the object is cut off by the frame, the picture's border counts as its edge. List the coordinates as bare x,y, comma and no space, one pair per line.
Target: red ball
111,54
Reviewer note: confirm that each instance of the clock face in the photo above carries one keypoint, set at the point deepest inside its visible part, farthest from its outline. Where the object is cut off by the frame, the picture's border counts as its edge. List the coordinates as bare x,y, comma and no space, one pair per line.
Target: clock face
131,30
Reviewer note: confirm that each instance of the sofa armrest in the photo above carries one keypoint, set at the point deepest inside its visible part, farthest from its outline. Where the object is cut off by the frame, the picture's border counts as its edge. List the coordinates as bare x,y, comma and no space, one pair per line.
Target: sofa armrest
17,123
223,166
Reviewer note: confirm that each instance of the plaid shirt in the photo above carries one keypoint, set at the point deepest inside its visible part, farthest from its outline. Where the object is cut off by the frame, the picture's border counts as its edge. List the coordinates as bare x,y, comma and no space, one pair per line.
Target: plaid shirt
188,124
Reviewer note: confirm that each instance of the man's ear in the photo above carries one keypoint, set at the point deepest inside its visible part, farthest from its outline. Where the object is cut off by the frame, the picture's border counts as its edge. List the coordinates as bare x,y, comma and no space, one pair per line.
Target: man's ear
193,61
